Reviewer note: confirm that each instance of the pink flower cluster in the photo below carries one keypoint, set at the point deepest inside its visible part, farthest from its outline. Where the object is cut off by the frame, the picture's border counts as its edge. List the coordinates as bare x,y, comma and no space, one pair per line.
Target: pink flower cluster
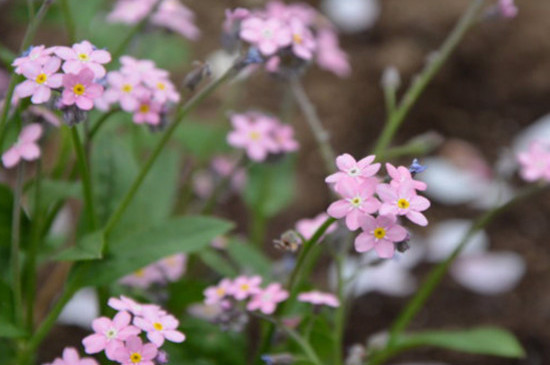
170,14
246,288
82,65
535,162
260,135
139,87
168,269
280,30
120,337
373,206
26,148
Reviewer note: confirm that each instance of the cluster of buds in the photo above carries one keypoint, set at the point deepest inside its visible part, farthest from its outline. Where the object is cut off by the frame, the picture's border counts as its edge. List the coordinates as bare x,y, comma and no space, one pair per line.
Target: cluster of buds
375,207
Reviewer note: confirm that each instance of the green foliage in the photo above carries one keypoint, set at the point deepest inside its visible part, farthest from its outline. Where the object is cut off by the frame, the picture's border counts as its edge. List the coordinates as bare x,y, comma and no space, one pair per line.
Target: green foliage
249,257
7,327
480,340
53,191
217,262
203,140
90,247
6,208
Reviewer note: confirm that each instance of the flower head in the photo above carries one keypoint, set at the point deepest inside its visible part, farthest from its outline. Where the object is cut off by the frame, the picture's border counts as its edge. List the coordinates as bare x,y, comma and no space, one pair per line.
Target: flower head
352,169
159,326
535,162
25,148
215,294
269,35
127,304
403,200
319,298
307,227
266,300
402,176
83,55
134,352
80,89
380,233
38,55
41,78
71,357
244,287
253,133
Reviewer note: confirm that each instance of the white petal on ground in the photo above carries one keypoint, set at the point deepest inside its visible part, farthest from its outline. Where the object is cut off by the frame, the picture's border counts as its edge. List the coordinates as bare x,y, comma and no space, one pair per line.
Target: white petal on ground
493,193
352,16
81,310
445,236
490,273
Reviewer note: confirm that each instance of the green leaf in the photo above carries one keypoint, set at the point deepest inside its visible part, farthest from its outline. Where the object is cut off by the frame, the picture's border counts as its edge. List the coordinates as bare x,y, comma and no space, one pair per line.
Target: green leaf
6,208
270,187
90,247
55,190
248,256
217,262
7,328
126,255
203,140
481,340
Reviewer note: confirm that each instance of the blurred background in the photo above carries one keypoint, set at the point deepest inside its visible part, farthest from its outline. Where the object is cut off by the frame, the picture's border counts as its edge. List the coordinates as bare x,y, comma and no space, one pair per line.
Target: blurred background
495,85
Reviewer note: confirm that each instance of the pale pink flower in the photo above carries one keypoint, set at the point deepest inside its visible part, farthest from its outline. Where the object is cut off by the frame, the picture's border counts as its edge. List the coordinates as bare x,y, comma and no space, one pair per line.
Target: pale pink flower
163,89
159,327
507,8
351,169
83,55
145,69
36,54
358,200
124,89
266,300
109,334
129,305
130,11
535,162
268,35
80,89
401,175
71,357
329,54
273,64
25,148
303,12
403,200
254,135
303,42
283,134
148,111
173,267
134,352
40,80
319,298
177,17
245,286
215,294
308,227
380,233
144,277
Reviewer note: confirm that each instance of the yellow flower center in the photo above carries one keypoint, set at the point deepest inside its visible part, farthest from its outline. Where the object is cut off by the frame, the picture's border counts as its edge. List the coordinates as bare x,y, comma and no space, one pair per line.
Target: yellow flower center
245,287
83,57
356,201
40,79
254,135
403,203
139,273
220,292
127,88
161,85
297,38
158,326
135,358
79,89
144,108
379,233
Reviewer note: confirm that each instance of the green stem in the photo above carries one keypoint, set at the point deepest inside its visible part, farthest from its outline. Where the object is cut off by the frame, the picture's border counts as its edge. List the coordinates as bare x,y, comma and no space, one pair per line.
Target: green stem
16,243
315,125
340,316
69,22
27,39
437,274
190,105
415,90
30,8
86,179
100,122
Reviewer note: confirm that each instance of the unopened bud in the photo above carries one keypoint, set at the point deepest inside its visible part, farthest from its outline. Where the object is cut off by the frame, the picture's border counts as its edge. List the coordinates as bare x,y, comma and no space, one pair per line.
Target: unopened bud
289,241
391,78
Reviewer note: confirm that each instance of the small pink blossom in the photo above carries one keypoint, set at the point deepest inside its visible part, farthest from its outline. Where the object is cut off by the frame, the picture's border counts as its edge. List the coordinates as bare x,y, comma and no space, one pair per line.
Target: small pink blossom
268,35
283,134
109,334
148,111
351,169
80,89
177,17
173,267
303,42
308,227
358,200
83,55
302,12
380,233
143,68
215,294
535,162
40,80
38,55
329,54
319,298
245,286
159,327
144,277
254,135
125,89
25,148
134,352
163,90
71,357
403,200
130,11
401,175
507,8
266,300
127,304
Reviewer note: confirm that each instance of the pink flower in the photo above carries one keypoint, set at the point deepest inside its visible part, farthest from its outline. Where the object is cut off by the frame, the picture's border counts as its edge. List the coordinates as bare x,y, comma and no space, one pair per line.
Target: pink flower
303,42
268,35
319,298
173,266
80,89
40,80
163,89
303,12
130,11
25,148
401,175
244,287
283,134
329,54
37,55
71,357
125,89
380,233
535,163
233,18
159,327
148,111
83,55
308,227
403,200
351,169
130,305
266,300
507,8
358,200
253,135
134,352
177,17
144,277
215,294
109,334
143,68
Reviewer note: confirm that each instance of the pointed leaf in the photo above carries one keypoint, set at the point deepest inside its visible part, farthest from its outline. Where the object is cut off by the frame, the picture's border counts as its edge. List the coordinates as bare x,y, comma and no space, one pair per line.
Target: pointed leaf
90,247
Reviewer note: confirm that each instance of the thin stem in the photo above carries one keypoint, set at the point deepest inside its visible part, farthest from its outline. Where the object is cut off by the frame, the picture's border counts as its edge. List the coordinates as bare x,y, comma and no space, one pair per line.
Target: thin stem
69,22
86,179
30,8
190,105
415,90
16,244
315,125
100,122
340,315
